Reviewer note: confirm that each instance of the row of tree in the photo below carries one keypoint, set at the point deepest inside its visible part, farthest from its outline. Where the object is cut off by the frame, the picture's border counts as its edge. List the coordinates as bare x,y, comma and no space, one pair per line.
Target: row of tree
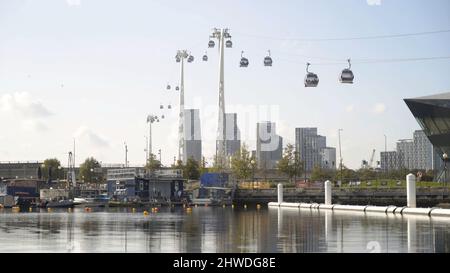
242,165
89,170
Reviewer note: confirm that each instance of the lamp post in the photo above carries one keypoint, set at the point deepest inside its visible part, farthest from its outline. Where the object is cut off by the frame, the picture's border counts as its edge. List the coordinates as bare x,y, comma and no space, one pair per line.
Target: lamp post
445,157
252,163
385,155
340,153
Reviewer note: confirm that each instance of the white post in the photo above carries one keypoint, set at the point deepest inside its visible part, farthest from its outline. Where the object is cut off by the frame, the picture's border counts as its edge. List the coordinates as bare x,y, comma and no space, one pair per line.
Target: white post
280,193
411,190
327,192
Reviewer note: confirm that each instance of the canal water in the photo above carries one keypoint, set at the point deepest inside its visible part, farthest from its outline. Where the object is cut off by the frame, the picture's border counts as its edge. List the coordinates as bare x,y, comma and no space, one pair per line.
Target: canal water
208,229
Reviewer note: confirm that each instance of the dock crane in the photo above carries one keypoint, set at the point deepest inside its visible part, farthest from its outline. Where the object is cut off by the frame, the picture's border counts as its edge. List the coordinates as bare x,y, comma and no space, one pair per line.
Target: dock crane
369,165
371,159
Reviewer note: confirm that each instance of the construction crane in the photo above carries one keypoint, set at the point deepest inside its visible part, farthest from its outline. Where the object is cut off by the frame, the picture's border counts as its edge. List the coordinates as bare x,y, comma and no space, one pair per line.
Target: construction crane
368,165
371,159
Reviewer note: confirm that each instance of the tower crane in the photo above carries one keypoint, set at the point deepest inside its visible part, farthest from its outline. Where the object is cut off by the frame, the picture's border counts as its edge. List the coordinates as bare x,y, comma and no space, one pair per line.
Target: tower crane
371,159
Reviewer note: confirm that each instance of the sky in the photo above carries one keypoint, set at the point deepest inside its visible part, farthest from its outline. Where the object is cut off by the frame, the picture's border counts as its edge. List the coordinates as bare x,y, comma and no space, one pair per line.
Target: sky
92,70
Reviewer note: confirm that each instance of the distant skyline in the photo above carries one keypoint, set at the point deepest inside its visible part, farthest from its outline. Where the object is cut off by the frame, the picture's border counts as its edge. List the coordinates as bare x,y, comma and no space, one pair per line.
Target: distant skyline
94,69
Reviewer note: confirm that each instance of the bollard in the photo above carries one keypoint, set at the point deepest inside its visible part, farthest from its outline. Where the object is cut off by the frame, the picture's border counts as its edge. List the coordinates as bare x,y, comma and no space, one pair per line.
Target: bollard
327,192
280,193
411,190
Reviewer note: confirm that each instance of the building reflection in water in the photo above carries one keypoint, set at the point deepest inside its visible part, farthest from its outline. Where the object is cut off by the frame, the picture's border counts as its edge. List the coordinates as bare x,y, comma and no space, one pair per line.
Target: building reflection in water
222,230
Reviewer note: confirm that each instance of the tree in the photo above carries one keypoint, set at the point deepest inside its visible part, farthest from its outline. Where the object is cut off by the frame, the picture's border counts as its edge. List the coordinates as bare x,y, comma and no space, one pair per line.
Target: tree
242,163
89,171
51,169
153,164
290,164
366,174
346,174
191,170
203,168
320,174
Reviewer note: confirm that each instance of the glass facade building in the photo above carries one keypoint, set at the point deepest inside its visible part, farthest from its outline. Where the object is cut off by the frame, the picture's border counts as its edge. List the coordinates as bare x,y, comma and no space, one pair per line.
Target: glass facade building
433,115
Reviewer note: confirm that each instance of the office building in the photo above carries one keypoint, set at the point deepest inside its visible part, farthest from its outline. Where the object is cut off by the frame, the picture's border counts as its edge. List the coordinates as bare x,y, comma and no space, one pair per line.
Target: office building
328,158
389,161
192,136
310,146
433,115
269,145
233,135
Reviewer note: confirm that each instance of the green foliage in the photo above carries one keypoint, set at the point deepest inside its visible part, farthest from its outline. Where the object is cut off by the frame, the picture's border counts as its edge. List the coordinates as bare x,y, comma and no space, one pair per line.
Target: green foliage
191,170
319,174
345,175
242,163
290,164
366,174
203,168
153,164
54,166
89,171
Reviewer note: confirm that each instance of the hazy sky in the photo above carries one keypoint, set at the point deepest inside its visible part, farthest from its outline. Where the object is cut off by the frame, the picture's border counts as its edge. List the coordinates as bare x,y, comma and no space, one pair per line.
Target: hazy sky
94,69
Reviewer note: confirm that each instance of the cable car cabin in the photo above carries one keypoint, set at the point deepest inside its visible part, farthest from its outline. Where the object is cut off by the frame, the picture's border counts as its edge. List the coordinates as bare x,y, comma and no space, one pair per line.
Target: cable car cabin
190,59
162,116
161,107
267,61
177,59
229,44
169,106
211,44
168,87
311,80
243,62
177,88
205,58
346,76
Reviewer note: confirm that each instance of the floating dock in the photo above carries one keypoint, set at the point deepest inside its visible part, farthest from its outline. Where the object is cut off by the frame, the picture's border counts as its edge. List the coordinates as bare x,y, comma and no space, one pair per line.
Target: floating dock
410,209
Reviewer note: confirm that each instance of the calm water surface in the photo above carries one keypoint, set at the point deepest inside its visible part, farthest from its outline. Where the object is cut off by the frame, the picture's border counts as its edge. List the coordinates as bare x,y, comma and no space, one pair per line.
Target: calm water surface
220,230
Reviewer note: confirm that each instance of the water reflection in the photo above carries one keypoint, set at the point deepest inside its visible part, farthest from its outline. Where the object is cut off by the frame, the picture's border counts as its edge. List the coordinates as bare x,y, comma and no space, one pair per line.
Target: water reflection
221,230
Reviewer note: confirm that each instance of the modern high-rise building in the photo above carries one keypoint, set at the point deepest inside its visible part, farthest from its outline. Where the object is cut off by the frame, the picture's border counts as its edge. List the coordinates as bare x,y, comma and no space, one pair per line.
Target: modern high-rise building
405,153
233,135
328,157
269,145
417,153
192,136
423,151
310,145
389,161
